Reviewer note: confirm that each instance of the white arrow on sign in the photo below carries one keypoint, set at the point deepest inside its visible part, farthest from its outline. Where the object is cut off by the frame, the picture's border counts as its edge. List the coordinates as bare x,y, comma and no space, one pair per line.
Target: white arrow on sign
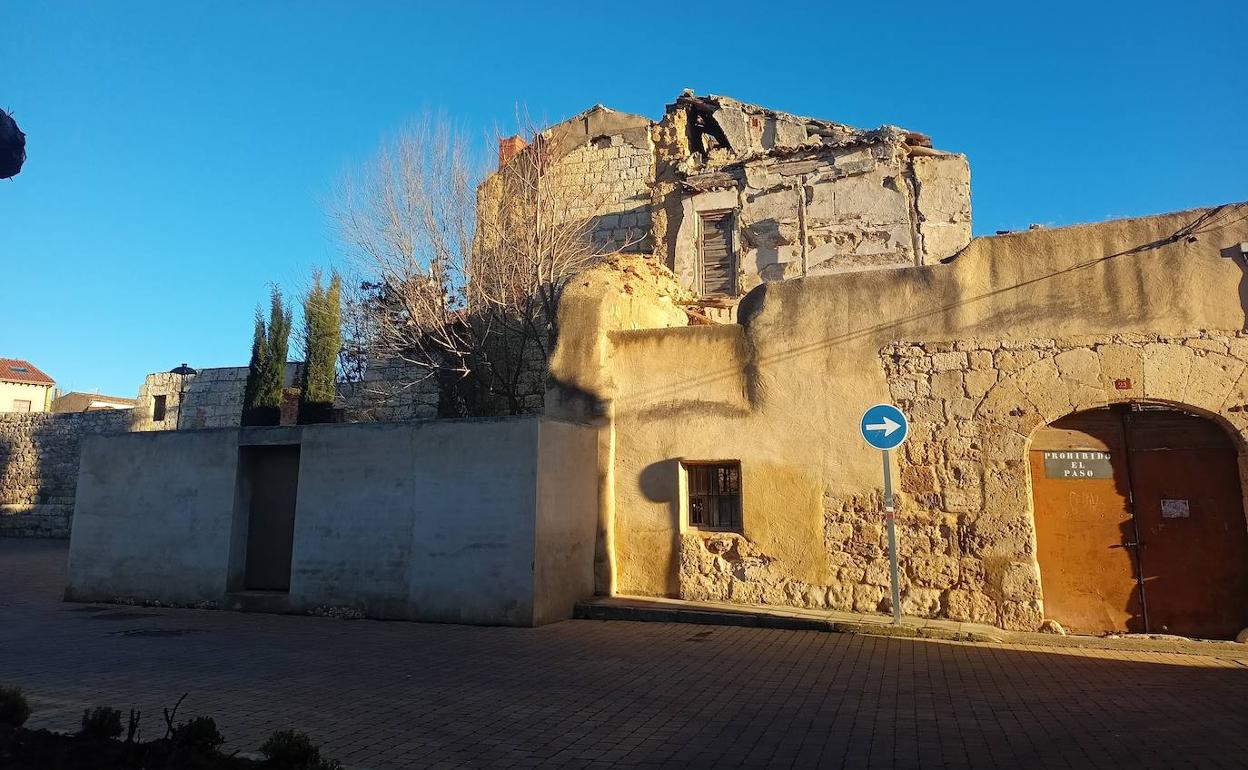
888,426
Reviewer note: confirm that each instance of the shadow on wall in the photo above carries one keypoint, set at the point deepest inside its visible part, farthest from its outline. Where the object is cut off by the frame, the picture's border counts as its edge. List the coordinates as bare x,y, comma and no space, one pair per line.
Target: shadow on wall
660,483
627,230
1238,254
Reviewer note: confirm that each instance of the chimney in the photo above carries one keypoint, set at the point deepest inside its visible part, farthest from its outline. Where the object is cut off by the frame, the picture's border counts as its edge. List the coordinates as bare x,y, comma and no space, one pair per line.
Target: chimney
509,148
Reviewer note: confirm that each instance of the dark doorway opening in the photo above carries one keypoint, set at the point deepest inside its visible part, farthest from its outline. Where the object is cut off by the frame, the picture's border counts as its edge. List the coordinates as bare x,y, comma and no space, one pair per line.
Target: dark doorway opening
271,477
1140,523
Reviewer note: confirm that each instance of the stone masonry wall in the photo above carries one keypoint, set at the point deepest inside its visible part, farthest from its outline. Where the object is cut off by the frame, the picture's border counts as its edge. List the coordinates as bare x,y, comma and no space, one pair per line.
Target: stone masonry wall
966,539
39,468
611,175
973,408
392,390
214,398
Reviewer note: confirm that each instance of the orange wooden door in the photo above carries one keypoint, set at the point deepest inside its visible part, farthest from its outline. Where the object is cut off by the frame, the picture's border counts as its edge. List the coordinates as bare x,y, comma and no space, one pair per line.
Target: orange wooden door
1190,516
1084,528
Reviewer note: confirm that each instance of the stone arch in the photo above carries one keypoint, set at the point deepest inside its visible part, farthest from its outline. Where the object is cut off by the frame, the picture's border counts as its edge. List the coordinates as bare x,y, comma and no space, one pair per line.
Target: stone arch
976,405
1069,380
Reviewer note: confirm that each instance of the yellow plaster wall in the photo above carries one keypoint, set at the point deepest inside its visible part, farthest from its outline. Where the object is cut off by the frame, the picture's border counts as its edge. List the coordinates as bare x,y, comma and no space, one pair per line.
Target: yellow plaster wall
784,391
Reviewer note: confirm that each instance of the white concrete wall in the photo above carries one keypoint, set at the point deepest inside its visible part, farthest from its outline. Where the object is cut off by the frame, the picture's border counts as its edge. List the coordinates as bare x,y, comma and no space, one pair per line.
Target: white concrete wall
468,521
154,516
567,518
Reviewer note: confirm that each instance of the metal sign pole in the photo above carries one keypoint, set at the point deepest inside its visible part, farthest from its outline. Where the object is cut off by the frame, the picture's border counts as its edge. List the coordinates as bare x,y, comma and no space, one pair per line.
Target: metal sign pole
892,539
884,427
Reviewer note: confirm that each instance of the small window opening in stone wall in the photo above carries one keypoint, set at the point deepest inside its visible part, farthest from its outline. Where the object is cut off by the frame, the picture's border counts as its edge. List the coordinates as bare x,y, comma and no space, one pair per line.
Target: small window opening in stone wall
719,259
158,408
21,405
714,494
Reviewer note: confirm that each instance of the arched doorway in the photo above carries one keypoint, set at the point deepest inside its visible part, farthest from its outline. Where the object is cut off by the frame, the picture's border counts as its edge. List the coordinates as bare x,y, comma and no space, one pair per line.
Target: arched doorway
1140,523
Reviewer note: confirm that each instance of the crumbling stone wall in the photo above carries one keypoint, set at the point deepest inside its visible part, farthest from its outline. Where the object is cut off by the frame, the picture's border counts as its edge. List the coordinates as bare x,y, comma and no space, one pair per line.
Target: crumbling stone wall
810,196
609,176
966,539
214,398
974,406
39,468
392,390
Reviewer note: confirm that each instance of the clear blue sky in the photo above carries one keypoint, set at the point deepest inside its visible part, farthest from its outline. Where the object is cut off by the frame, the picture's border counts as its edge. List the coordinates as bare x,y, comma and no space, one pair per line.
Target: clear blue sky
181,154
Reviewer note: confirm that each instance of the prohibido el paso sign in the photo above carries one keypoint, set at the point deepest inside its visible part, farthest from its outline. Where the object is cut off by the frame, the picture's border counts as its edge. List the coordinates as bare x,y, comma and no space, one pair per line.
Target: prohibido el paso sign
1077,464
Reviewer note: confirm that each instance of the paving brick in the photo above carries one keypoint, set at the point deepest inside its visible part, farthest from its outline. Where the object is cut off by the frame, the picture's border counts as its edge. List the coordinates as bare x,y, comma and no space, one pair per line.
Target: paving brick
592,693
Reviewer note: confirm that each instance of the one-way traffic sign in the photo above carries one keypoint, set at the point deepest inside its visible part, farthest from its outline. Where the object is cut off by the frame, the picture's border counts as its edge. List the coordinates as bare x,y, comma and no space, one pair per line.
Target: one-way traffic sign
884,426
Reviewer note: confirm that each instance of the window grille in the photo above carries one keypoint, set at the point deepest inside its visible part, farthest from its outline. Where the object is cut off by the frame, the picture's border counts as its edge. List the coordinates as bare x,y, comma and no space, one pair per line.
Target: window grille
714,495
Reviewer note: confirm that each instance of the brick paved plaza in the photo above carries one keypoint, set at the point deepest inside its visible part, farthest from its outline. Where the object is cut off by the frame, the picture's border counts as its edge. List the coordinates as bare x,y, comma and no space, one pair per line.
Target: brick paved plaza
590,693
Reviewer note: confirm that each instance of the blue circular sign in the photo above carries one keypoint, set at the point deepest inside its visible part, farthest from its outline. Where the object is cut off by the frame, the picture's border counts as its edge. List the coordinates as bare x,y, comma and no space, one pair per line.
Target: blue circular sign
884,426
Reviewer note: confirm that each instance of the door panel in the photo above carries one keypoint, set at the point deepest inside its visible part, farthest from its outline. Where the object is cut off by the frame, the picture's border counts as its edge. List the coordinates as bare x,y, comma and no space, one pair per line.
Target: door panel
1189,510
1179,475
272,474
1087,574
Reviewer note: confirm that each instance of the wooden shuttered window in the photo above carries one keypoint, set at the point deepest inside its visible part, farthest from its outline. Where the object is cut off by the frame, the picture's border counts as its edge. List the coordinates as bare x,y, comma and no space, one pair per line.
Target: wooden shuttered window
719,261
714,495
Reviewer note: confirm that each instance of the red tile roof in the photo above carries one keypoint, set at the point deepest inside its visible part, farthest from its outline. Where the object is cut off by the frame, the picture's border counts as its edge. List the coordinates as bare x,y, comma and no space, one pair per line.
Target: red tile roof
17,370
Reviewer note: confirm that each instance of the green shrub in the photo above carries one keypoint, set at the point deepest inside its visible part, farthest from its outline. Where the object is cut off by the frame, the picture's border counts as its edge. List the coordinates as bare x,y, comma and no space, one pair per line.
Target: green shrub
101,722
14,710
292,750
199,734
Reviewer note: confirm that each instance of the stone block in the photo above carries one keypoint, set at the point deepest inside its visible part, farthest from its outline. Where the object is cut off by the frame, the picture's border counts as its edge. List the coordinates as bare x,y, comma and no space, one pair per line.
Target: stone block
970,606
920,478
948,384
869,598
1166,369
1080,365
876,574
978,382
1211,378
1007,405
949,361
840,597
1122,371
1020,582
1021,616
1013,360
961,408
903,389
921,602
934,570
926,411
981,359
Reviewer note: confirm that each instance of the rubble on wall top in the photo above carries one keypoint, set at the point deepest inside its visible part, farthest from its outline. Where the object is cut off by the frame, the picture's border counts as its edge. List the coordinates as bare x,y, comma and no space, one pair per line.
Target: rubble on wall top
724,131
825,129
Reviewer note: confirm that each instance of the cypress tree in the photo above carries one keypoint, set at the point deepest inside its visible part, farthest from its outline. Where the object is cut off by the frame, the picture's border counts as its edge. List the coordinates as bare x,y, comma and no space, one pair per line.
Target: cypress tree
322,316
277,344
255,366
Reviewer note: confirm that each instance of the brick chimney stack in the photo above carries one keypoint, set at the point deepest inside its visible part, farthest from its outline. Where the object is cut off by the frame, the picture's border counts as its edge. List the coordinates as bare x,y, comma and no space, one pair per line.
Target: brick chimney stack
509,148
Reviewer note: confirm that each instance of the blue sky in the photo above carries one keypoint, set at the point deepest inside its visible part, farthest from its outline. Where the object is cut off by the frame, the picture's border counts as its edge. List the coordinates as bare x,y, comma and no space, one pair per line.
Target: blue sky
180,154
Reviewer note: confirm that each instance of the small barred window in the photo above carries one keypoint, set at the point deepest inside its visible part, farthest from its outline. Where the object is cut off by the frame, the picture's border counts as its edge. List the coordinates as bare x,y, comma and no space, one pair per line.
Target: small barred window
714,494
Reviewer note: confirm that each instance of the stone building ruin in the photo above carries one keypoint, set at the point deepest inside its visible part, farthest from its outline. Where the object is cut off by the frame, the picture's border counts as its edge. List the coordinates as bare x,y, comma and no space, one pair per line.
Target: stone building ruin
729,195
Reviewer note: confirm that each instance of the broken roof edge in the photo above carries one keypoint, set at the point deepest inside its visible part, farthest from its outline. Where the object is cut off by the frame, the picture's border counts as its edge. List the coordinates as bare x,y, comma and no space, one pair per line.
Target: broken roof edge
599,120
718,101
